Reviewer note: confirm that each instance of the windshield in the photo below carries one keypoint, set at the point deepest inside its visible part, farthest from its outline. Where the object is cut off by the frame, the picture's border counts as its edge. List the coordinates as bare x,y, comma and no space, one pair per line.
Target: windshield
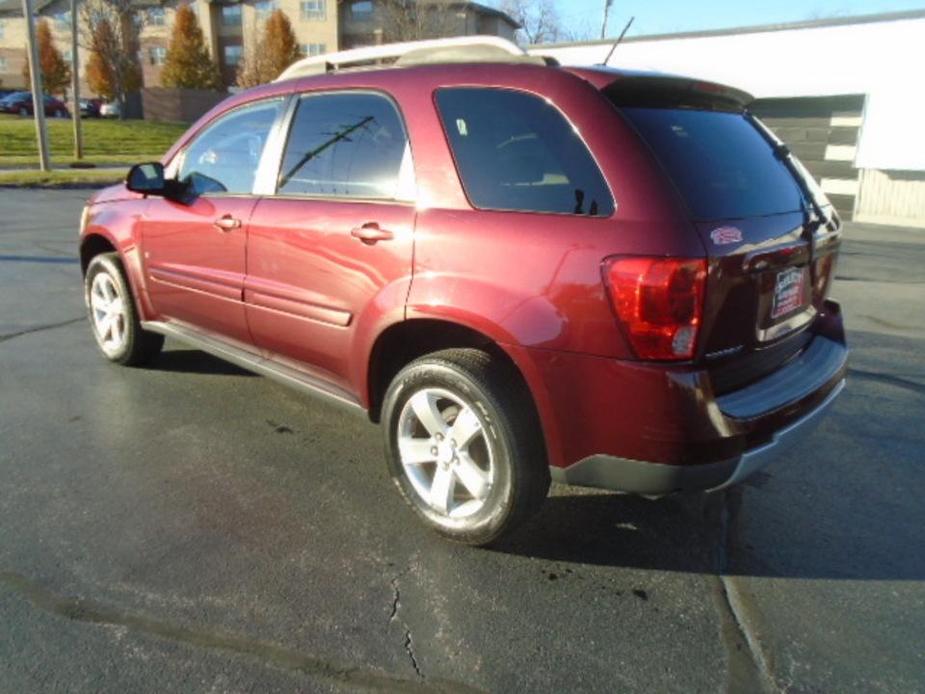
721,164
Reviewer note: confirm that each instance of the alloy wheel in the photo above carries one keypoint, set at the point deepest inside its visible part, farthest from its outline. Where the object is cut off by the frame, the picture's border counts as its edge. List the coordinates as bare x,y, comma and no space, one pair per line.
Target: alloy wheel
445,453
108,311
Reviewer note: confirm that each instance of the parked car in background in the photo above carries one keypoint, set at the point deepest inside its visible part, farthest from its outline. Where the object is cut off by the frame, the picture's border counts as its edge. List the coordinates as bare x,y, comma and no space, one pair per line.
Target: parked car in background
21,103
90,108
522,271
109,109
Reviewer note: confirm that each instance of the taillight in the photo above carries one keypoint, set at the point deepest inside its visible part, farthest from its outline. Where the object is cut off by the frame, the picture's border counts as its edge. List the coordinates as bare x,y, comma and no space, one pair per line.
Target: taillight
659,302
822,276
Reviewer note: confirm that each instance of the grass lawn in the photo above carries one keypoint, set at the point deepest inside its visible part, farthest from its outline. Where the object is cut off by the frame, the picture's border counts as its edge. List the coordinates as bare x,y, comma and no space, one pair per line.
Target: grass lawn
33,178
105,141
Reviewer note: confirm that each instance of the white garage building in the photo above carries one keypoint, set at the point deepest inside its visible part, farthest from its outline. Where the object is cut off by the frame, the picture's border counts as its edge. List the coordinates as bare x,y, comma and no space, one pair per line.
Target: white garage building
846,94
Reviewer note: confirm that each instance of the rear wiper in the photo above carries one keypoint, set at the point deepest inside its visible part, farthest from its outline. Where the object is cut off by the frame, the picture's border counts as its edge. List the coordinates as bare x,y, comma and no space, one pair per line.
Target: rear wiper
783,153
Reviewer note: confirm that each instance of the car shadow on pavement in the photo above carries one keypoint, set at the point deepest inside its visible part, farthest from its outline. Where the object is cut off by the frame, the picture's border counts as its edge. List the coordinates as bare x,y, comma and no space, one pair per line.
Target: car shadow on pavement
195,361
709,533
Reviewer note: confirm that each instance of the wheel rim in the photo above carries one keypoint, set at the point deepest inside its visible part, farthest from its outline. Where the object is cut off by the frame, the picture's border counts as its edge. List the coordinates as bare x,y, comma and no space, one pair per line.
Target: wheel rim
445,453
107,311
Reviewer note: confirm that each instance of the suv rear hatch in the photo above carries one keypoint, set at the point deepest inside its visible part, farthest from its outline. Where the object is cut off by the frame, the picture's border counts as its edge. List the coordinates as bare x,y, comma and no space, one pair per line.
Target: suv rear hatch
770,235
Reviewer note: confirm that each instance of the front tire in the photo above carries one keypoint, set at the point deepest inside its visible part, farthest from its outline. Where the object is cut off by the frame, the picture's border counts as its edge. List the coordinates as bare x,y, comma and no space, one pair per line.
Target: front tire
112,314
464,446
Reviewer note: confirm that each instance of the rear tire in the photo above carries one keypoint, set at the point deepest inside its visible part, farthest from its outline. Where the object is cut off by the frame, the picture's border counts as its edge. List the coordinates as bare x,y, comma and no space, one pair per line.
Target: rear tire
112,314
464,445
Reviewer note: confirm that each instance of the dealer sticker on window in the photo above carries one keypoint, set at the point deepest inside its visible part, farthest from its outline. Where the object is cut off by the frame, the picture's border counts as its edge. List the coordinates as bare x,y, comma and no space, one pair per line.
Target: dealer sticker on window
788,292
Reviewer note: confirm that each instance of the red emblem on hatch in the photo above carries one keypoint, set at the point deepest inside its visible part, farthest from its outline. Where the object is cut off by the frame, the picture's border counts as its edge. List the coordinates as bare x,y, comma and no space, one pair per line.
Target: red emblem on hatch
725,235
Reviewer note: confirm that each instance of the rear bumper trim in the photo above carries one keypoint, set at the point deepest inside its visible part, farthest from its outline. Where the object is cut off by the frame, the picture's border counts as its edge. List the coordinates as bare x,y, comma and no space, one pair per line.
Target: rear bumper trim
659,479
782,442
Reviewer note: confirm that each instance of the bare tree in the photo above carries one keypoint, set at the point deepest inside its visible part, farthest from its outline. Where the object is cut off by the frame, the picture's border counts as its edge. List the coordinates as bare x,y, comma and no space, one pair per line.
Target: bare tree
410,20
110,29
539,21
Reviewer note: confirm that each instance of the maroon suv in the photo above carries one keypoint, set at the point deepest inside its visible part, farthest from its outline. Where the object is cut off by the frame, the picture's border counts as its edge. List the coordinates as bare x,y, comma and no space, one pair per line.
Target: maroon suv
523,271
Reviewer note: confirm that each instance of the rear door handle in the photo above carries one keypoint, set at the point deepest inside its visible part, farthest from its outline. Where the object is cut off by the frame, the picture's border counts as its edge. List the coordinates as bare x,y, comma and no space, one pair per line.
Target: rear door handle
371,233
227,223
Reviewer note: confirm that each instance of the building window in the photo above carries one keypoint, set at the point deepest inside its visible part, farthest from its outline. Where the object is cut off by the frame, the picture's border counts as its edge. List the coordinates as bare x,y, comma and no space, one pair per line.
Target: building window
2,63
361,10
231,15
265,8
157,55
68,56
313,48
233,55
312,10
1,28
156,17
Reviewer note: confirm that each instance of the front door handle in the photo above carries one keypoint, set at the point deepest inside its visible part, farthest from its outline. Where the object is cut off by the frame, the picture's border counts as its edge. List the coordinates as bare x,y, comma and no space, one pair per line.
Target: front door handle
371,233
227,223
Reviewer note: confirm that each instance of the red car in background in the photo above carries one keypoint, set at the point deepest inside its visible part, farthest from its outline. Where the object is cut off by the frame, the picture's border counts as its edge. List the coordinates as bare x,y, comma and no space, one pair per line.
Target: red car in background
21,103
525,272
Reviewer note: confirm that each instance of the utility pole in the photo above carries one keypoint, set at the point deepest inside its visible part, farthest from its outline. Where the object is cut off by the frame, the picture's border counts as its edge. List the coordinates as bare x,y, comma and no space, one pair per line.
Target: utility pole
38,96
75,84
607,4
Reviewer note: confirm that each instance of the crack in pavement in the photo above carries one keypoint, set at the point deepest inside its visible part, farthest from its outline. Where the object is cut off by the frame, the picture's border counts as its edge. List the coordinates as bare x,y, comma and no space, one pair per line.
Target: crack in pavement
393,616
748,667
40,328
86,611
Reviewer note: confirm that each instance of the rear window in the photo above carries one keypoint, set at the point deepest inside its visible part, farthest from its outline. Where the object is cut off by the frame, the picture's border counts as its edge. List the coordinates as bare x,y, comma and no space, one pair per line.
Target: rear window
722,165
516,151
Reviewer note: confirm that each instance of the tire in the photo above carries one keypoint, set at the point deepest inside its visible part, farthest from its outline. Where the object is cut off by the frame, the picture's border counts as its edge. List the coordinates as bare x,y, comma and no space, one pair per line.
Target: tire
23,111
124,341
461,391
59,114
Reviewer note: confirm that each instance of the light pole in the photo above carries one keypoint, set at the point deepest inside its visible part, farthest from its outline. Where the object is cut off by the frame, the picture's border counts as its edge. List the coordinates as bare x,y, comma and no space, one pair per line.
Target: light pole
75,84
38,96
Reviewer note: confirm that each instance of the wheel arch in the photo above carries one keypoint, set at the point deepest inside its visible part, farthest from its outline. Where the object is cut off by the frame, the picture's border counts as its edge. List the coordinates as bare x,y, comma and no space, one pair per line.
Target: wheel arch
93,245
404,341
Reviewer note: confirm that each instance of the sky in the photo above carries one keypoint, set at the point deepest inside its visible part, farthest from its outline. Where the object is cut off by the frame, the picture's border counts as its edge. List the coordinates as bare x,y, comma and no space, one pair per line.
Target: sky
669,16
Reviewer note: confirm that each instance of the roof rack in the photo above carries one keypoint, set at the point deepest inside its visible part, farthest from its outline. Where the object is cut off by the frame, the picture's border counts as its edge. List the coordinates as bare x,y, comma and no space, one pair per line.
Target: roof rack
459,49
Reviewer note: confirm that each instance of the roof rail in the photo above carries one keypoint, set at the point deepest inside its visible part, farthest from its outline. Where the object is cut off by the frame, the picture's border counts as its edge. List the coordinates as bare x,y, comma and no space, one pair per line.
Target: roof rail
459,49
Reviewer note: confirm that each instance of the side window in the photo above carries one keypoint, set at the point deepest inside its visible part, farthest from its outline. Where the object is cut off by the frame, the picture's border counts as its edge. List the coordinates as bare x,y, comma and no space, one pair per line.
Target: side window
347,145
224,158
515,151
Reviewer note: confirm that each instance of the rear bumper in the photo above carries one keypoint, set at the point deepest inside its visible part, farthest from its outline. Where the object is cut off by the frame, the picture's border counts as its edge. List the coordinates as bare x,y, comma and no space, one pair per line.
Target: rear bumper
654,430
658,479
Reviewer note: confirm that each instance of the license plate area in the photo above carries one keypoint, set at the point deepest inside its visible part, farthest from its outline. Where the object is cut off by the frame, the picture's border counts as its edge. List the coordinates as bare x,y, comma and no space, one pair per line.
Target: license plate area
789,292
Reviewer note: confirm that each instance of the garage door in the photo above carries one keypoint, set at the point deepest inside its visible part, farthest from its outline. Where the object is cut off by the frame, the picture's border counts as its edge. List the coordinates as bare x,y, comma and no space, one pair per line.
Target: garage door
823,133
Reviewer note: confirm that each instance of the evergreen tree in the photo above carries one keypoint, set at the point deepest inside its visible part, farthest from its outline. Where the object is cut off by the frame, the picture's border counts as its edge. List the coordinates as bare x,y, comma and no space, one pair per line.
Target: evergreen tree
275,50
98,71
56,73
188,63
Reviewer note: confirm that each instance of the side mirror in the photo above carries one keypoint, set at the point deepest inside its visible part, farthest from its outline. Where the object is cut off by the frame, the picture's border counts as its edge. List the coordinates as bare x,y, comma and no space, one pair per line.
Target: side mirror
147,179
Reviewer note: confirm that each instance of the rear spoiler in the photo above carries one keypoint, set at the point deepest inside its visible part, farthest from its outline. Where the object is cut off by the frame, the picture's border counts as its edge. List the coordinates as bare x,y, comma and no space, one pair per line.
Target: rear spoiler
666,91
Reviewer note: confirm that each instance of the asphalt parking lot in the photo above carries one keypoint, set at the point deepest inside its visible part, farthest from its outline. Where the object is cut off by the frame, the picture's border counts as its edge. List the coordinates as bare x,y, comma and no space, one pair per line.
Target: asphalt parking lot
192,527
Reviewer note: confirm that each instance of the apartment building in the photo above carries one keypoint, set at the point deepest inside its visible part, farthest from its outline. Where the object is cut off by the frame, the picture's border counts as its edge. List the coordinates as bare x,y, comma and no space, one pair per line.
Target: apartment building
231,28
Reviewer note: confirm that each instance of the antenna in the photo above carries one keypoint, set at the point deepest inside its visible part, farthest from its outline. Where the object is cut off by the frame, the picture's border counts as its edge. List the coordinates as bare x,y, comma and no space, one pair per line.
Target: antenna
617,42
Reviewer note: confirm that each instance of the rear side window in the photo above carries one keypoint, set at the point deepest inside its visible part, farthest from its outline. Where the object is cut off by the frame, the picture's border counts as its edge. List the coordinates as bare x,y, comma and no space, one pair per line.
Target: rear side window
515,151
722,165
348,145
